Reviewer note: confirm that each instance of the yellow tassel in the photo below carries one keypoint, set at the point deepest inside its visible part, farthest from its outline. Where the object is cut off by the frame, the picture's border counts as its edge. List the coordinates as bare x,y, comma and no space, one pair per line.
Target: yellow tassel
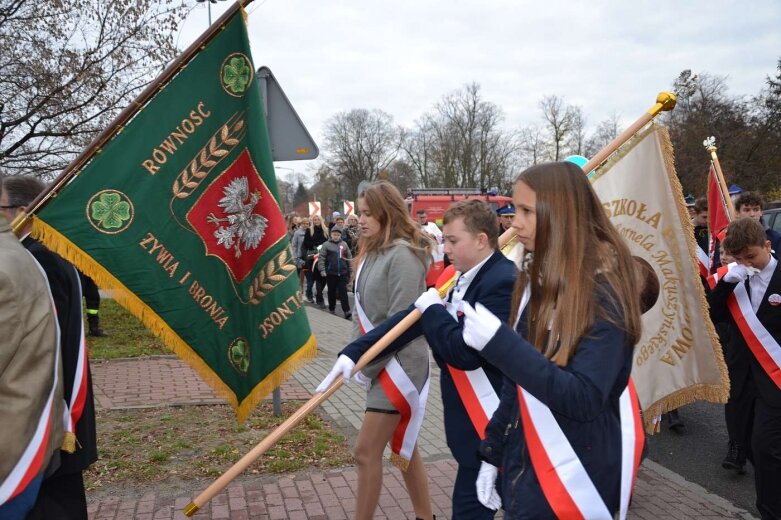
69,443
399,461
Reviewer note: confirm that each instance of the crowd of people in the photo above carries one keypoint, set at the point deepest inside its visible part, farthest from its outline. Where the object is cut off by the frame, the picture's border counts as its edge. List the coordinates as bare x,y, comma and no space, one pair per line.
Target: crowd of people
531,369
534,356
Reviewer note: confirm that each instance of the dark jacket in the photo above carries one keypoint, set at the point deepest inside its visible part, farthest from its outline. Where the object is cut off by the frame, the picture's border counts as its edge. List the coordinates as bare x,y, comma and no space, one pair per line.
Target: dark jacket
335,258
492,286
768,315
66,290
312,240
583,397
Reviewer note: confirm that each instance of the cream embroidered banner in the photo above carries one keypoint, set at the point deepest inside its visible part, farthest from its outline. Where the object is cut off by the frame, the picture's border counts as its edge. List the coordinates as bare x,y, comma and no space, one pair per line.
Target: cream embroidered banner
678,359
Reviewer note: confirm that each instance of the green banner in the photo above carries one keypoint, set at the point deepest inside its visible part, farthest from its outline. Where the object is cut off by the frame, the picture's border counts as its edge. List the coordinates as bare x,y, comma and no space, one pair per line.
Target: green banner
178,214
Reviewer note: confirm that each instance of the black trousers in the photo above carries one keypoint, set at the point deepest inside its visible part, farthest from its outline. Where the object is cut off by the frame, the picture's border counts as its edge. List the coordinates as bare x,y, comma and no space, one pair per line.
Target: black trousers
739,410
466,506
90,292
766,447
316,282
337,286
61,497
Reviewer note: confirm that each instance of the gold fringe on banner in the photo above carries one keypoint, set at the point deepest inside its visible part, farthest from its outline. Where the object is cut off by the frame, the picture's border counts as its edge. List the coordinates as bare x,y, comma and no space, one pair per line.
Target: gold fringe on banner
699,391
399,461
711,393
58,243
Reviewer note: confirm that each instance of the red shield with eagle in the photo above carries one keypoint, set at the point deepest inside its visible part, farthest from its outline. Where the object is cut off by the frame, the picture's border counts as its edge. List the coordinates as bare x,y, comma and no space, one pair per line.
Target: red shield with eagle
237,217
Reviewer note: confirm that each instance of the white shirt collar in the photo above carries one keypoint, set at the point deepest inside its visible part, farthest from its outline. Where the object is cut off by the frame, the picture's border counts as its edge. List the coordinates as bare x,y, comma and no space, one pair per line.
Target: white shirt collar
767,273
467,277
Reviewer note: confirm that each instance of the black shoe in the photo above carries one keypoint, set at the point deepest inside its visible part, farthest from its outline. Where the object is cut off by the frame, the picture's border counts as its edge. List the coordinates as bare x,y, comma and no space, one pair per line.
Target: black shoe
94,329
348,316
332,311
321,306
675,422
735,458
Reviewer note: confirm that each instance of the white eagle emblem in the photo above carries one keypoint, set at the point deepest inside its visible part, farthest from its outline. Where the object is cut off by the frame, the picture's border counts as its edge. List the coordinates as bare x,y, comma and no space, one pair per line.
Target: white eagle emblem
244,228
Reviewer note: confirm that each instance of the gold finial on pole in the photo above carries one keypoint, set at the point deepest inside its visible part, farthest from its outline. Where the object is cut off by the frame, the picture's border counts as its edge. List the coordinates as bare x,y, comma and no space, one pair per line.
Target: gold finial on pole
710,145
665,101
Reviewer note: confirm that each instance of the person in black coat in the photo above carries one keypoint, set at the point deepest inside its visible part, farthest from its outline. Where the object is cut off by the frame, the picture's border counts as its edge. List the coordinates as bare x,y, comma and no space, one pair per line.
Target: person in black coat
62,493
314,237
579,321
755,284
470,235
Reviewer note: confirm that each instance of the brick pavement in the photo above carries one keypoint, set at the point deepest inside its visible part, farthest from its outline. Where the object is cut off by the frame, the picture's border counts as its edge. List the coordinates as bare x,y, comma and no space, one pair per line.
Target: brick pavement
331,494
155,381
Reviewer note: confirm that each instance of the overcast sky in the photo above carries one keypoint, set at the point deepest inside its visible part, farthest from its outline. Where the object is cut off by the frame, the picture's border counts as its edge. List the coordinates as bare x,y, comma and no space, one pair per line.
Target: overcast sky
402,56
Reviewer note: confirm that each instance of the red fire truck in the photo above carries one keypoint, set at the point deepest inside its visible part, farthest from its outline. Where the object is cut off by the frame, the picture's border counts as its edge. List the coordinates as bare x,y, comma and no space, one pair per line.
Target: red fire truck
436,200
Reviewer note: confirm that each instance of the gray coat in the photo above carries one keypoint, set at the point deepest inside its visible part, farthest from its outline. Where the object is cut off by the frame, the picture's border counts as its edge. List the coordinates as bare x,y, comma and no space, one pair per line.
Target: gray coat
390,282
295,244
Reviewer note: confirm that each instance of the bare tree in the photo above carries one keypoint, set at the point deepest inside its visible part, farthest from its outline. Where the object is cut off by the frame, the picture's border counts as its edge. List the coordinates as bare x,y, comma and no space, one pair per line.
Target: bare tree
559,119
359,144
460,143
533,145
606,131
67,69
576,141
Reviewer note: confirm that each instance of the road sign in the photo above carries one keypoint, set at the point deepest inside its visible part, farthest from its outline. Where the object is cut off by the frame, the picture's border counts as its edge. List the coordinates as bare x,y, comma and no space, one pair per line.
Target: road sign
314,209
349,208
290,140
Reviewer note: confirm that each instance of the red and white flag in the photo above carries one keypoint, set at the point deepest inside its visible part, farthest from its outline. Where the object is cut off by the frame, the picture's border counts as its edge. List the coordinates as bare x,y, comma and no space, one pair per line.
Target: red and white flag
718,214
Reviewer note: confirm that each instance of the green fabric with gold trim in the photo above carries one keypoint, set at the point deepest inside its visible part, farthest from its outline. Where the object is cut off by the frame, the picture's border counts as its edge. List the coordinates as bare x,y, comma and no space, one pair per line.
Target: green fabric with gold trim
179,216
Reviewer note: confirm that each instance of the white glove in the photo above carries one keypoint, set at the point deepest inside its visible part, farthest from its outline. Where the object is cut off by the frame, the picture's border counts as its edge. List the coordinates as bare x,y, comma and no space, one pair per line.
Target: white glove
362,379
344,366
427,299
486,486
737,274
480,325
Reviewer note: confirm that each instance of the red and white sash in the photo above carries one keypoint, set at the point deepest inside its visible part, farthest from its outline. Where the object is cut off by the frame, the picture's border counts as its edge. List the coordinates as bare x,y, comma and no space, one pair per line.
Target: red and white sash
78,397
703,261
401,392
765,348
478,395
32,462
564,480
475,391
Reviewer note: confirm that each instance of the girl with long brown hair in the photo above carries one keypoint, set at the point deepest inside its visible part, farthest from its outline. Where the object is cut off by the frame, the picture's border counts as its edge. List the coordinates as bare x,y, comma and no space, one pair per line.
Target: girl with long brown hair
577,318
390,269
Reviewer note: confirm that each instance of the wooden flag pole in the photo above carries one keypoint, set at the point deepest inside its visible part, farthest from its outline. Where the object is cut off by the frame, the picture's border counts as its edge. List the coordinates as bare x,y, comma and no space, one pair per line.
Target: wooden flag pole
710,146
308,407
125,116
665,101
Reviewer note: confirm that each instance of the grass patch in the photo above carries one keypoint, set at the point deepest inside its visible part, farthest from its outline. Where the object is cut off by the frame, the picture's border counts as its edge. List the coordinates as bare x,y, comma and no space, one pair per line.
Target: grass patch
127,336
201,442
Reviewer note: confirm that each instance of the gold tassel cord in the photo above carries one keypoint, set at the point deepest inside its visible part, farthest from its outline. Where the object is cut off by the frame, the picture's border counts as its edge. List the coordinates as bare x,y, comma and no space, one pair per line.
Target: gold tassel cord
59,244
69,443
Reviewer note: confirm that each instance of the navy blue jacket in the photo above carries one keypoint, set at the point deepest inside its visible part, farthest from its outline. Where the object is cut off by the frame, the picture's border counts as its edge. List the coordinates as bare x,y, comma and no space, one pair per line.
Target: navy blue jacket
768,315
583,397
492,286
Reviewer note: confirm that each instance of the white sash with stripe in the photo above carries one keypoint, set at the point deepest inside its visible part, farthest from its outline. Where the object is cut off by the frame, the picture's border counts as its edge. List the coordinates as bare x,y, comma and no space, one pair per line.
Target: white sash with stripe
474,389
703,261
571,473
31,462
400,390
78,396
762,344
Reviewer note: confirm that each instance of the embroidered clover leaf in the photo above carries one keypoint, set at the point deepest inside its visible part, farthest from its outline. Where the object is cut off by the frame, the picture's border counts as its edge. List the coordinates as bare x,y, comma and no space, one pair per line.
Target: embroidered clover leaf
110,211
240,356
236,74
